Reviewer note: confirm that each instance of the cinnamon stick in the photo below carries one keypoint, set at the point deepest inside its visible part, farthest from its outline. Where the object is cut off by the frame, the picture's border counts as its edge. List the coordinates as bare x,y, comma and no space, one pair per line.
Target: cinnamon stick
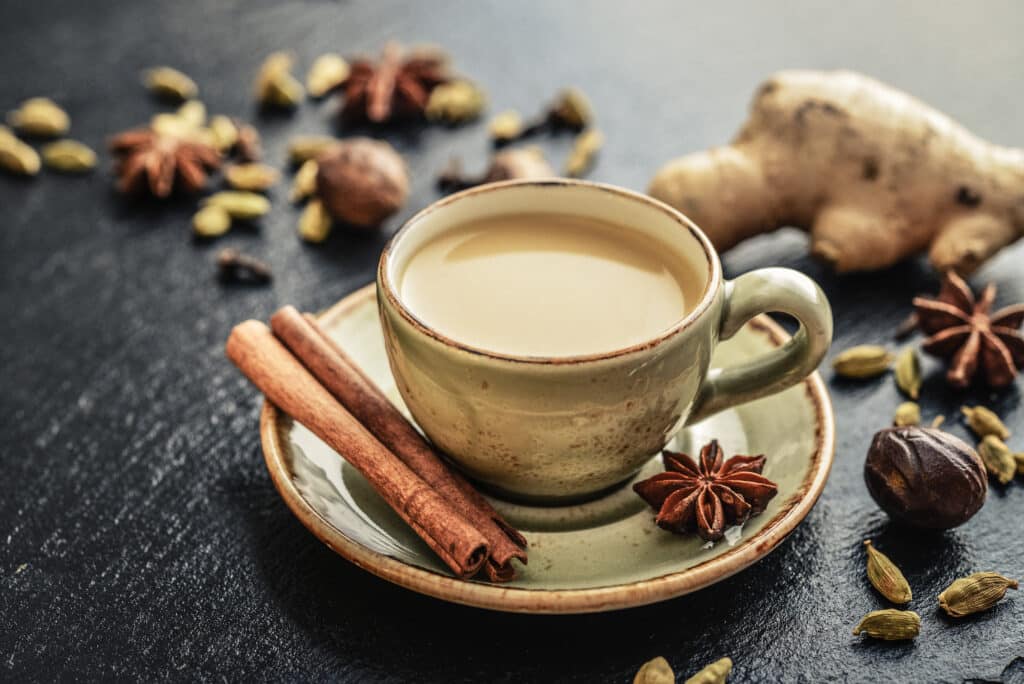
343,378
283,379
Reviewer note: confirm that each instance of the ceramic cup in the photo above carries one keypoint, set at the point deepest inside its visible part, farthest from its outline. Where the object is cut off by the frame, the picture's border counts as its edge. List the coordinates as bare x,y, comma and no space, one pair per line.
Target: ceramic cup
553,430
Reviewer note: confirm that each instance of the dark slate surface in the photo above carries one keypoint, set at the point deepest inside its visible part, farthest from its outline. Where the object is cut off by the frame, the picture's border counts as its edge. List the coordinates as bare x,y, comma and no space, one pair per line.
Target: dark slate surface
140,537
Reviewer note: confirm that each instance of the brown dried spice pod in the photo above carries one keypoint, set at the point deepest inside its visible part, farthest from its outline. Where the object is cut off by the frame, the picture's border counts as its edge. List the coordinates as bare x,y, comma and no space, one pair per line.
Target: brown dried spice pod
362,181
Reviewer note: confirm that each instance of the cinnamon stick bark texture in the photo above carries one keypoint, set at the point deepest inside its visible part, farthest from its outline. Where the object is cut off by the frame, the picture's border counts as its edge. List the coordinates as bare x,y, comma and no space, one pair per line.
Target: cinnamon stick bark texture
343,378
265,361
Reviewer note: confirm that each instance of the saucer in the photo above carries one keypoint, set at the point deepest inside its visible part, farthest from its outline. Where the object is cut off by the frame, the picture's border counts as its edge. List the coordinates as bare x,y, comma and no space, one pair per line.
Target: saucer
596,556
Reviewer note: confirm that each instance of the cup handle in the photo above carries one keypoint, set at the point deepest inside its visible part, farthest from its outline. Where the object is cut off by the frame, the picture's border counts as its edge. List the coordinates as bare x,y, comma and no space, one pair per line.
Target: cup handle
768,289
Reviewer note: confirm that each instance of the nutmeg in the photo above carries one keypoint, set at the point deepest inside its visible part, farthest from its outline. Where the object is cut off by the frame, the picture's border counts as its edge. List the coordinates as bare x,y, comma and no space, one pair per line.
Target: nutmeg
925,477
361,181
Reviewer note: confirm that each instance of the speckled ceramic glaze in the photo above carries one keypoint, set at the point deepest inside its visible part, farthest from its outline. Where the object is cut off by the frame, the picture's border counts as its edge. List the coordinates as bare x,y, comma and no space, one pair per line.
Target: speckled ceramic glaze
601,555
557,429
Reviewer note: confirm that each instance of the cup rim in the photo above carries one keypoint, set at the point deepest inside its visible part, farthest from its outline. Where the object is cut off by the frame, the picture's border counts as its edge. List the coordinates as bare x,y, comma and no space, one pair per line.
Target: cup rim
711,286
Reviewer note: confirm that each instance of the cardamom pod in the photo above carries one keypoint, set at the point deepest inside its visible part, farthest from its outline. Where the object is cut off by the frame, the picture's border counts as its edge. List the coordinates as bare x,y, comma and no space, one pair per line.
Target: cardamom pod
655,671
984,422
69,156
193,113
170,83
15,156
315,223
223,132
890,624
584,151
864,361
40,117
240,205
251,177
455,102
886,577
572,109
507,125
327,73
211,221
998,458
937,421
1019,458
275,85
975,593
305,147
715,673
908,372
304,183
907,413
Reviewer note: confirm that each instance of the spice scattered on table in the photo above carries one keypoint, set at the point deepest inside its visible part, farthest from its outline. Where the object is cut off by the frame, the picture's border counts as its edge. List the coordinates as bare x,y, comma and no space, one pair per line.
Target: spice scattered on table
147,160
276,86
975,594
315,223
978,344
907,413
984,422
235,267
251,177
998,459
715,673
40,117
397,86
520,162
455,102
655,671
169,83
708,496
242,206
907,372
69,156
886,577
890,625
863,361
361,181
584,152
329,71
17,157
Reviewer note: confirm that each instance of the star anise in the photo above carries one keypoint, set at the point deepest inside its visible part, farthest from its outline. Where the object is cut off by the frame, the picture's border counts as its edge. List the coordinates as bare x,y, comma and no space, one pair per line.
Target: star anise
146,158
708,496
976,342
396,87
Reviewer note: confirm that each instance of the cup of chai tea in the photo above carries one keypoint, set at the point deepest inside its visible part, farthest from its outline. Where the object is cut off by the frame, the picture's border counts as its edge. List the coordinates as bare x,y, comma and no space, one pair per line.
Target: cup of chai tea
550,336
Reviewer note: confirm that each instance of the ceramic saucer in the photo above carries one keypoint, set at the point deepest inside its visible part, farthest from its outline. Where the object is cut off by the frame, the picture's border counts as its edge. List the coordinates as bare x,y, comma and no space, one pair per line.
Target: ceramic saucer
597,556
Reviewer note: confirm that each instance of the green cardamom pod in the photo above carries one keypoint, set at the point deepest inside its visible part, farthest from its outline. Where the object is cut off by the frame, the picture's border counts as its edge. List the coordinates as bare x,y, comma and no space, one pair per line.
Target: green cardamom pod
998,458
305,147
907,413
69,156
715,673
240,205
315,223
328,72
15,156
304,183
984,422
253,177
1019,458
655,671
890,624
864,361
211,221
170,83
908,372
40,117
886,577
975,593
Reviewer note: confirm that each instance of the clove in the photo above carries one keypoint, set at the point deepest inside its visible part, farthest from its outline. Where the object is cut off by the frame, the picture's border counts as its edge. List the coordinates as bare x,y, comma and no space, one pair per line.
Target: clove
570,111
236,267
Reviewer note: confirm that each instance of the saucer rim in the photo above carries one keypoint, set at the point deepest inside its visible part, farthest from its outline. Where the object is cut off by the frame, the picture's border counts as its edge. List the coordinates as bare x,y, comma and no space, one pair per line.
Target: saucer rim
562,601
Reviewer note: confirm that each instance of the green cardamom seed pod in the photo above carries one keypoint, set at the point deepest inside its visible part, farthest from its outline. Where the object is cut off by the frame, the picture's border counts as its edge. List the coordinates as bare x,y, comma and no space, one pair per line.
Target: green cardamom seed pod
584,151
715,673
305,147
455,102
908,372
40,117
998,458
315,223
304,183
505,126
240,205
975,593
890,624
16,156
886,577
170,83
69,156
254,177
211,221
984,422
655,671
328,72
907,413
864,361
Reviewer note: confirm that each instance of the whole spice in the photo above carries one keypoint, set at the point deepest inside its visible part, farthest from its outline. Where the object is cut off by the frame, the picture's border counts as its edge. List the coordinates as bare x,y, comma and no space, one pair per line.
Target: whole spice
655,671
39,117
976,593
977,343
223,133
998,459
193,113
584,151
1019,460
314,222
937,421
211,221
523,162
147,159
715,673
304,183
395,87
455,102
707,496
302,148
890,624
235,267
248,148
925,477
275,84
69,156
15,156
907,371
239,205
329,71
886,577
506,126
864,361
251,177
570,111
361,181
170,83
907,413
984,422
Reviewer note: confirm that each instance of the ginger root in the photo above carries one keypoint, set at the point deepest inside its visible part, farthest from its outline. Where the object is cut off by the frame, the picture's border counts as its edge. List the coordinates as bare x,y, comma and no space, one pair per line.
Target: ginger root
874,174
